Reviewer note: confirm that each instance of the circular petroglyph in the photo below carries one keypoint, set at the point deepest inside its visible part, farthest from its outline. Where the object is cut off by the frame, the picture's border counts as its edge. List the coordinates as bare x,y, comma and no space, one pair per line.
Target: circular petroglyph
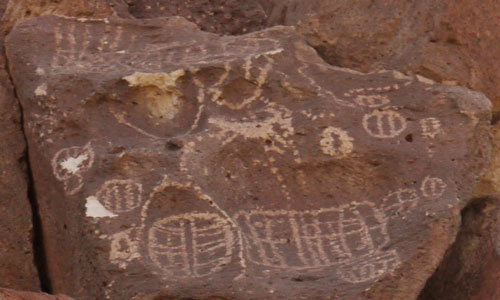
384,124
69,165
336,142
433,187
119,195
191,245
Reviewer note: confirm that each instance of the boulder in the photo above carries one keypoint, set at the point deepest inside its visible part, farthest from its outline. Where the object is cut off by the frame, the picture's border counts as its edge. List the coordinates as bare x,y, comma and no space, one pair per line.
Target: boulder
470,269
174,163
450,41
17,267
8,294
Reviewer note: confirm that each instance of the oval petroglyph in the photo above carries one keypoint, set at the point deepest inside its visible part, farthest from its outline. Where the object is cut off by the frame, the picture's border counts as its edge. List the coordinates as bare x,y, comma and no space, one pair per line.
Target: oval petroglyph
336,142
372,100
120,195
433,187
384,124
69,164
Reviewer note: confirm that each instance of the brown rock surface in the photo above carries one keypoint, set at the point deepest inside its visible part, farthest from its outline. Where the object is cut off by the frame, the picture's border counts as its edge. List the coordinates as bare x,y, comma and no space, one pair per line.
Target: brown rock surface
454,41
170,162
470,269
19,10
17,268
219,16
8,294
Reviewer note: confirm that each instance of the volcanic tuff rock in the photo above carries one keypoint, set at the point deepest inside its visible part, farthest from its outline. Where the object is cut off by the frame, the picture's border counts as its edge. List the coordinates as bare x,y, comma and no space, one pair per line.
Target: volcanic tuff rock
7,294
170,162
453,41
17,269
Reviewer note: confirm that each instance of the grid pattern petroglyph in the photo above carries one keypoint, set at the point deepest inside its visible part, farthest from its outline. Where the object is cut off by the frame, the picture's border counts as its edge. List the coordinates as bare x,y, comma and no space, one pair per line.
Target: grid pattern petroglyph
120,195
191,245
312,239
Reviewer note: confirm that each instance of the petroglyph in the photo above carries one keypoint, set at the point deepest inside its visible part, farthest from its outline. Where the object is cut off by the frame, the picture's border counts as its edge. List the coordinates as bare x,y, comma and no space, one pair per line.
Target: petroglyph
372,100
124,248
120,195
431,127
433,187
399,201
191,245
69,165
277,127
370,268
336,142
384,124
372,97
74,45
313,240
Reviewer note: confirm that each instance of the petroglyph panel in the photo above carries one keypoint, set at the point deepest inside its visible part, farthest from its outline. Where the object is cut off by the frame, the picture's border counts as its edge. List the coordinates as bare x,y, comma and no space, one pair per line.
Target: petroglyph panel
120,195
191,245
69,165
384,124
336,142
305,240
433,187
261,124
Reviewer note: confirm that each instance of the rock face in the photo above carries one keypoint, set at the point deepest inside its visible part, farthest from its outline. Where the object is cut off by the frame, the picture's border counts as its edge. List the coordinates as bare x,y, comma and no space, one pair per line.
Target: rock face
7,294
451,41
17,269
220,16
169,162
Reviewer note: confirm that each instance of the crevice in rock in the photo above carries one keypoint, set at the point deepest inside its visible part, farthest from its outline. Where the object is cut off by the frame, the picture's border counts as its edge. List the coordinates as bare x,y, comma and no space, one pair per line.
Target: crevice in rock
464,272
38,237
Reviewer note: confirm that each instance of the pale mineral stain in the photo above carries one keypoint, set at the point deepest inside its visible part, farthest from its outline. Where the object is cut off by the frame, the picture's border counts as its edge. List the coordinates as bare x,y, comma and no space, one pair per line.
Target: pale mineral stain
95,209
72,164
41,90
161,96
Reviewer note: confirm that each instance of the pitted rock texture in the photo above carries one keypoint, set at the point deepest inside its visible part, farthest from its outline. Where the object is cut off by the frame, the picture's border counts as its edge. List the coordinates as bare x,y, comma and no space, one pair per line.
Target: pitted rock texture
170,162
450,41
8,294
17,268
220,16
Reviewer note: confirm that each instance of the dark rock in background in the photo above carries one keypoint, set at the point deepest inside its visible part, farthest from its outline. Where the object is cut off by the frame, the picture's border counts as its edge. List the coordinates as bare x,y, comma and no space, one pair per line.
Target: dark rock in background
8,294
17,266
219,16
470,269
454,42
169,162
